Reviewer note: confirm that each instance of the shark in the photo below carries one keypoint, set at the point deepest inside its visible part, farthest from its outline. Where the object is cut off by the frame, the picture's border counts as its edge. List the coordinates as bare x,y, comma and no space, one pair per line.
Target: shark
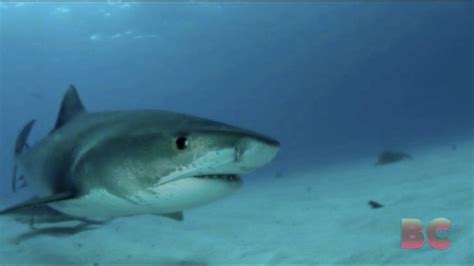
97,166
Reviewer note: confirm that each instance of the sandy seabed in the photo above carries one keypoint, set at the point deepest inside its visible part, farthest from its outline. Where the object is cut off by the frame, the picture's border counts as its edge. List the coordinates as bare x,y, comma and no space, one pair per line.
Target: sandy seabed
311,217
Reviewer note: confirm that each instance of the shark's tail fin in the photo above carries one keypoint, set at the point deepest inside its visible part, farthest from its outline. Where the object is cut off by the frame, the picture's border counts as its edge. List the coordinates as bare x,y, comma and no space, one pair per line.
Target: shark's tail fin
20,145
22,137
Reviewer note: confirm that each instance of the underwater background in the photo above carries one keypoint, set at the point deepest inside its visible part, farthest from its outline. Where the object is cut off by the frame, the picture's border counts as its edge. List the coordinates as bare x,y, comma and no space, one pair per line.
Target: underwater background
335,83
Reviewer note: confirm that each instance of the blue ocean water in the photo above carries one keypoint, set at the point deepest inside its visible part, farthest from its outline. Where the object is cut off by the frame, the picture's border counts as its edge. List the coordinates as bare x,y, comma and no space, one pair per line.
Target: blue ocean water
333,82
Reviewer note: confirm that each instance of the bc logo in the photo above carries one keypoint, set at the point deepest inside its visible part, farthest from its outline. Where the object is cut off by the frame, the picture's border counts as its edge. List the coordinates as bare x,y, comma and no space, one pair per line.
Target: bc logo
412,233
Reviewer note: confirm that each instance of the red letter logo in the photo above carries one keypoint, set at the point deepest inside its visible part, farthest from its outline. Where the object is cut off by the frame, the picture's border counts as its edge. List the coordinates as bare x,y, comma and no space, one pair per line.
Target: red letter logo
412,233
439,224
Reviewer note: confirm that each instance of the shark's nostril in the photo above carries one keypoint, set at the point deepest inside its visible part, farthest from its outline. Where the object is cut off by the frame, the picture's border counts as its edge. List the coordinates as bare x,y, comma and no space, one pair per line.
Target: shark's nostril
241,149
238,153
251,153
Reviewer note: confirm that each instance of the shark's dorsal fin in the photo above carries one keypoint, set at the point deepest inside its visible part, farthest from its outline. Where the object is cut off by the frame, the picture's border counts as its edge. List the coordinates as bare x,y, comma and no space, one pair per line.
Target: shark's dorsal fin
71,106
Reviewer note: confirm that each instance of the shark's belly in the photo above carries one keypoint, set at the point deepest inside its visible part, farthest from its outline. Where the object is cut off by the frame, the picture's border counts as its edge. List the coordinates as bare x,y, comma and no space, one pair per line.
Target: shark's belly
99,204
176,196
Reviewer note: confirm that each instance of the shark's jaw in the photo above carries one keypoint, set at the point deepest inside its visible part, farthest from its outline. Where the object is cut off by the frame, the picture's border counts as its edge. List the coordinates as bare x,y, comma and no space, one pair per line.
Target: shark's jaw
189,192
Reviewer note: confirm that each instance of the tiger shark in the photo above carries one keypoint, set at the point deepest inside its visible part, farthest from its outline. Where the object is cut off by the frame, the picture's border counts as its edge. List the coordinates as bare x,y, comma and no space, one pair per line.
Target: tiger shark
98,166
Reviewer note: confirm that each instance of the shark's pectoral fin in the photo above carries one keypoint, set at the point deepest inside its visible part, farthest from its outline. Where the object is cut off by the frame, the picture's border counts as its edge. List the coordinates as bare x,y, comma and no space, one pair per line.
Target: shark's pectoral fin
177,216
39,201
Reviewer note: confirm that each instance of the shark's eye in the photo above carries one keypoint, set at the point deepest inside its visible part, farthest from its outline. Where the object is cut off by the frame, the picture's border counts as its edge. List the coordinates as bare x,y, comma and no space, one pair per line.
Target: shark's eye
182,143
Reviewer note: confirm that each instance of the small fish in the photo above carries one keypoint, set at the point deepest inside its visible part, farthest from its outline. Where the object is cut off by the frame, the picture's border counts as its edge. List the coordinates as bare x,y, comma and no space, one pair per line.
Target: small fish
388,157
375,205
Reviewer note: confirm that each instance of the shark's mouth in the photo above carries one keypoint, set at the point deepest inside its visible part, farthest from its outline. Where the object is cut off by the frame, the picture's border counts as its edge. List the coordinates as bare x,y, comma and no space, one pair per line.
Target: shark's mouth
223,177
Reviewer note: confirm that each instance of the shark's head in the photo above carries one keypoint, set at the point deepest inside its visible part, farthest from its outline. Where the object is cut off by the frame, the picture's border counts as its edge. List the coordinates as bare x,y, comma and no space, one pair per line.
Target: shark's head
222,153
169,161
205,161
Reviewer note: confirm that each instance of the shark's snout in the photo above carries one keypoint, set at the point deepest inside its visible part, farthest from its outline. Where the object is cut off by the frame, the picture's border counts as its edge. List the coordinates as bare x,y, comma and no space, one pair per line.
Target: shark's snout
254,152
